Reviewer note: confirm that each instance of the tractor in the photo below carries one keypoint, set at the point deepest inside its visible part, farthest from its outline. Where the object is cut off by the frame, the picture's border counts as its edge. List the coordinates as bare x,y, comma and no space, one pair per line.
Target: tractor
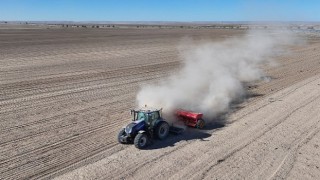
146,125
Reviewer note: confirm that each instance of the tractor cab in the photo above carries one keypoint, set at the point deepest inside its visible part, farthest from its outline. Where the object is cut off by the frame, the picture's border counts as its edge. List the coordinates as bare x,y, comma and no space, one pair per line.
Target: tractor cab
149,116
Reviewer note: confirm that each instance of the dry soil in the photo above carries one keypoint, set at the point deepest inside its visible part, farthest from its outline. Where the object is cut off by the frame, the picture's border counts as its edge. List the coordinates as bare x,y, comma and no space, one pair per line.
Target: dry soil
65,93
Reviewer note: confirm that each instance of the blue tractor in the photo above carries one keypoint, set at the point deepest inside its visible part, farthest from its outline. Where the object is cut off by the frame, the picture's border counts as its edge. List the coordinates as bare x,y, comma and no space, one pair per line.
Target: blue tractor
146,125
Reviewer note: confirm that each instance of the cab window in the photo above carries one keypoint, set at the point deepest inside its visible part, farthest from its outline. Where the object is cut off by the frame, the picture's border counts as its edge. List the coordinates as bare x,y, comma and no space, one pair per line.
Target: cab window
155,115
140,116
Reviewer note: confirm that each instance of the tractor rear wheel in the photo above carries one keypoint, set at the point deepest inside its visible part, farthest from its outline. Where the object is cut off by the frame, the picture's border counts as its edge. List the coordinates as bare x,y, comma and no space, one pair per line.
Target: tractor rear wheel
200,123
141,141
162,130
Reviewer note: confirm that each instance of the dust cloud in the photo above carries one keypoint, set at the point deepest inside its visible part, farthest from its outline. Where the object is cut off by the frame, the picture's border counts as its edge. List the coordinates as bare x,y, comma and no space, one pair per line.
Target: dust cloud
214,73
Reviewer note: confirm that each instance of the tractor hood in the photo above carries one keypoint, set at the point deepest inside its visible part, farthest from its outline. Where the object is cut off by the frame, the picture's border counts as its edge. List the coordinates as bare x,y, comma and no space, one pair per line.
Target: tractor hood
135,126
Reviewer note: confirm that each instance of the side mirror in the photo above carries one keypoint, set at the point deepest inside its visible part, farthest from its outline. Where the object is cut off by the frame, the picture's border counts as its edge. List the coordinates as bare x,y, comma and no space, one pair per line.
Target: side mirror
134,115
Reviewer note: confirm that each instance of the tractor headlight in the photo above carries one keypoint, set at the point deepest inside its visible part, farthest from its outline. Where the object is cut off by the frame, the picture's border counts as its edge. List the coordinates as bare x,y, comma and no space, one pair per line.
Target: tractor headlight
128,129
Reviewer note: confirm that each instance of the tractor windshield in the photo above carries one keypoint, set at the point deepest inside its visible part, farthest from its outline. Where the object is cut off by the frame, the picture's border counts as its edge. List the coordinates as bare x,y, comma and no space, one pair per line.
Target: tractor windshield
141,116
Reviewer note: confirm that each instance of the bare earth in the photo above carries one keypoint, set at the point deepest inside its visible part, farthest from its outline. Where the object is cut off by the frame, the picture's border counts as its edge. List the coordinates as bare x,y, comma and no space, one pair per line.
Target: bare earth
65,93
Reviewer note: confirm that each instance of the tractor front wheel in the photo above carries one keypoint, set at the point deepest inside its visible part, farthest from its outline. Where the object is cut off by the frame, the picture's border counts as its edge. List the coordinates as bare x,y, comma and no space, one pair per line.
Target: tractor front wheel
162,130
141,141
121,133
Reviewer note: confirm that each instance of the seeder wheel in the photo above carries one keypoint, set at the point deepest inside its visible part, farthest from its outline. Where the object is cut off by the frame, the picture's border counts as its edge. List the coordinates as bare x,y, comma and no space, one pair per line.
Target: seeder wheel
200,123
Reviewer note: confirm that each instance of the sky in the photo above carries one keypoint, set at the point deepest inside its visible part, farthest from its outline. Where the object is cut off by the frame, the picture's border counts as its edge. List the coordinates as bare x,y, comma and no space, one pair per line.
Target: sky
160,10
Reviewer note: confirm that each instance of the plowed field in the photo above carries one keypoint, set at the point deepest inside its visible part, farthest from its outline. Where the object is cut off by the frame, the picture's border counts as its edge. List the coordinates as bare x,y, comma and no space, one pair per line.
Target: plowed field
65,93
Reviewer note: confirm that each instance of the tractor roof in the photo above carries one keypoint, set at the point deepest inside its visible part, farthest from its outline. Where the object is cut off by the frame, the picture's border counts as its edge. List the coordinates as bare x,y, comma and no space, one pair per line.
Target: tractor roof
147,109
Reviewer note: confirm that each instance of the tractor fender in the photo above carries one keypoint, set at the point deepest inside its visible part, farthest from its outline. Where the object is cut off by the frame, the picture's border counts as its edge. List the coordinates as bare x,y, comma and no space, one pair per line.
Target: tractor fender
141,131
157,122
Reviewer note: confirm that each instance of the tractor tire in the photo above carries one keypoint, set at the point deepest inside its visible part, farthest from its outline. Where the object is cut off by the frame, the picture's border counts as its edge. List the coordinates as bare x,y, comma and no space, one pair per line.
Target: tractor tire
141,141
121,133
200,124
162,130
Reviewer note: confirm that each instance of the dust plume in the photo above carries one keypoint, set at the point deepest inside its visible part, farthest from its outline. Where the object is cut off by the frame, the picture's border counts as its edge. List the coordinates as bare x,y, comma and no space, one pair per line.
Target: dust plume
214,73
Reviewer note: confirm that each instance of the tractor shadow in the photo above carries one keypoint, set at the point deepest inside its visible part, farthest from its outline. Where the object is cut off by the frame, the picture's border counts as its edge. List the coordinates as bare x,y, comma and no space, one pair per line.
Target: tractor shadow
218,123
188,135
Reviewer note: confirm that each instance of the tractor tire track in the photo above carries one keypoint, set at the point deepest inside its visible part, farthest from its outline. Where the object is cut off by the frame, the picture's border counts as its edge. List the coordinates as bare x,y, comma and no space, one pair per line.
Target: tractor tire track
64,94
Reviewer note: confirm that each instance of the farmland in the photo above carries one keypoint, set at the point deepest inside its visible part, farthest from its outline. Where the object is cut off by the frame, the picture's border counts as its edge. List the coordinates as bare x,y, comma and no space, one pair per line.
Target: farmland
66,92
